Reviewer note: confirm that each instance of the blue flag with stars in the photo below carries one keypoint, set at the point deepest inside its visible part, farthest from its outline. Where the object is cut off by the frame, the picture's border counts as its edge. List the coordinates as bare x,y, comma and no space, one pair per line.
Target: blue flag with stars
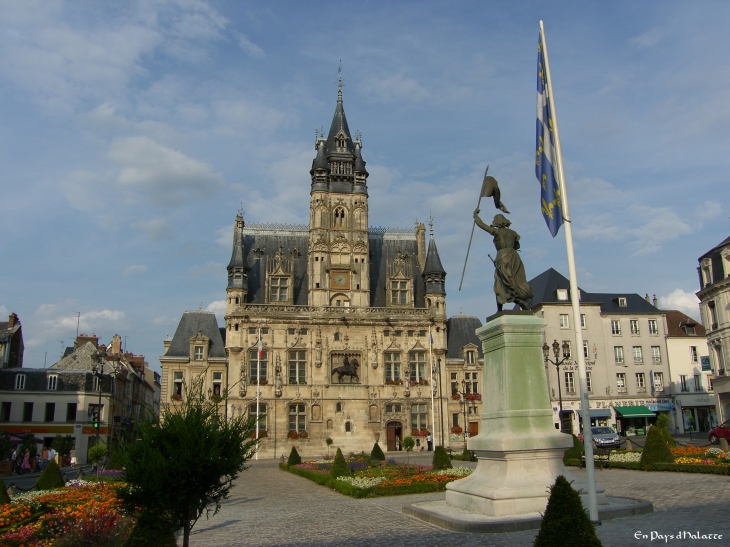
545,151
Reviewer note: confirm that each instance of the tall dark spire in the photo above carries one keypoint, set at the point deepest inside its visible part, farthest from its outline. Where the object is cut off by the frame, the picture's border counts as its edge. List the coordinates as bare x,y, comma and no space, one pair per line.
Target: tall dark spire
434,274
237,267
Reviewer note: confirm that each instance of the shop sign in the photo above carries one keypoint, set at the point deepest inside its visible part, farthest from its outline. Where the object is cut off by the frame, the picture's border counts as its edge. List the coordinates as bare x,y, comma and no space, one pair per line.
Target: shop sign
705,360
697,400
92,430
660,407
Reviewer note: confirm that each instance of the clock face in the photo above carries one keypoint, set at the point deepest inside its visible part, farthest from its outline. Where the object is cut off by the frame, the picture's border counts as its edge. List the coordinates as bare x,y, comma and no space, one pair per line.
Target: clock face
340,280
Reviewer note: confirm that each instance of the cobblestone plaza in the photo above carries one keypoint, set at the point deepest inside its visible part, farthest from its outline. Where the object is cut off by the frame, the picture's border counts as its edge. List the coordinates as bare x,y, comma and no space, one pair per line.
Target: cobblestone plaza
274,508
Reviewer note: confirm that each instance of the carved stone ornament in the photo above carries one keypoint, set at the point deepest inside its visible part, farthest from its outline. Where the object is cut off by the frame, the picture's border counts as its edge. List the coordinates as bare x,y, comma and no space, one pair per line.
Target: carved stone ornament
242,381
374,351
277,380
318,349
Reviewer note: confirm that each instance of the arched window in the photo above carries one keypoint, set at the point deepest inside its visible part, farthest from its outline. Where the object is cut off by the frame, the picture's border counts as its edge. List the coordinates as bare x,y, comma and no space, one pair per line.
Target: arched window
236,327
348,427
236,300
341,141
338,407
339,216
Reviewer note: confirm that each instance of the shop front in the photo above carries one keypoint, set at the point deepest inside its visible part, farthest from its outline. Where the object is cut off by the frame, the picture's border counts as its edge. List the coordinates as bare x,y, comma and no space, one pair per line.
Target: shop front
634,420
601,417
696,413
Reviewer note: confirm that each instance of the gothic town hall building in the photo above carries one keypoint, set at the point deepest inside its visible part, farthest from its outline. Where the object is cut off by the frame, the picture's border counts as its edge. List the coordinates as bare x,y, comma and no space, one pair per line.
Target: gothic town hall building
345,312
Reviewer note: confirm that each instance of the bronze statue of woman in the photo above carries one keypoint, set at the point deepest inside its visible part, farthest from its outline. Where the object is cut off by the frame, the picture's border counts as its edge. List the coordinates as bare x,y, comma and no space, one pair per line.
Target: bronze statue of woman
510,282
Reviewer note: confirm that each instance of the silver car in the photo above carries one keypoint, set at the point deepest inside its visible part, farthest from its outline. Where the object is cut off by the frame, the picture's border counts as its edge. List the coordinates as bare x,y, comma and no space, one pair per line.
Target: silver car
605,437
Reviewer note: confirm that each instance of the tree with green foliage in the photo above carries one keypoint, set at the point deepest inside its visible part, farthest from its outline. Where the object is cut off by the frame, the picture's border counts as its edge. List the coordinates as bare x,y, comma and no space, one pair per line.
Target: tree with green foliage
63,445
662,422
185,463
294,457
575,452
339,466
408,444
4,497
114,463
655,448
29,443
377,453
95,455
565,522
329,442
6,446
50,478
441,459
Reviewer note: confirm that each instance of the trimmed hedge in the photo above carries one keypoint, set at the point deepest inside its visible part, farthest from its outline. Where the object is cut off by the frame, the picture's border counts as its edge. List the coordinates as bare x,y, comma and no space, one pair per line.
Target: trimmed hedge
377,453
636,466
575,452
574,462
441,459
50,478
294,457
689,468
655,448
319,478
339,466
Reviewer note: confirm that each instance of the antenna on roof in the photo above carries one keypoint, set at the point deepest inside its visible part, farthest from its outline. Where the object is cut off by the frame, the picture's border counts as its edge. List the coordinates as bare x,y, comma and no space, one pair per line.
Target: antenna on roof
78,320
60,342
201,305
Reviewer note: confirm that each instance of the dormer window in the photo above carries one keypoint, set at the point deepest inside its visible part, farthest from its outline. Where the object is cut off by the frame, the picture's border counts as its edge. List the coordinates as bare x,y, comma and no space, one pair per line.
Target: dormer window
470,357
20,381
622,301
562,294
399,292
198,353
52,382
279,289
341,141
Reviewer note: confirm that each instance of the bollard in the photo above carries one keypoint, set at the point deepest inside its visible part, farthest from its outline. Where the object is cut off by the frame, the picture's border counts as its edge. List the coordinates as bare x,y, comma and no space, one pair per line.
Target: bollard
629,446
723,444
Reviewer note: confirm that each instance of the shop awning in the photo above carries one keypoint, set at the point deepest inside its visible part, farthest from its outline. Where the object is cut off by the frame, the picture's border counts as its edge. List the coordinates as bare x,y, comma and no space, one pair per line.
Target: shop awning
634,412
600,413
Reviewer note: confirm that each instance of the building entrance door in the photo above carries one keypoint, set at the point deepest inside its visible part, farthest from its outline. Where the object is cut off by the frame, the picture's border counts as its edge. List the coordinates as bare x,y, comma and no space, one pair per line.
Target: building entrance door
395,431
473,429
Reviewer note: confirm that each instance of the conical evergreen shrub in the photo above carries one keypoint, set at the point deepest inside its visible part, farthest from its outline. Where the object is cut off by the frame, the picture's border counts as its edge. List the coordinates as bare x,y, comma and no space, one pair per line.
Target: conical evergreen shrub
575,452
50,478
339,466
294,457
565,522
115,463
663,422
441,459
377,453
655,448
4,497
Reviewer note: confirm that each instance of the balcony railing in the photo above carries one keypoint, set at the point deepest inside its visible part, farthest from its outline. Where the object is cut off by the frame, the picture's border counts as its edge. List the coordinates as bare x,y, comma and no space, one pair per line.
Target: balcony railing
640,390
621,390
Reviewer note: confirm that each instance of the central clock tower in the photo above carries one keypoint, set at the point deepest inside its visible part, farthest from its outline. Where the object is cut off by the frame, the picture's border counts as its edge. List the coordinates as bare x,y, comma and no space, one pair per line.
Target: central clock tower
339,261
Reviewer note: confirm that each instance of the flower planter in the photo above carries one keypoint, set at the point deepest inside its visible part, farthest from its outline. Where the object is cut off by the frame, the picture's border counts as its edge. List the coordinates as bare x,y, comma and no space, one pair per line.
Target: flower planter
6,468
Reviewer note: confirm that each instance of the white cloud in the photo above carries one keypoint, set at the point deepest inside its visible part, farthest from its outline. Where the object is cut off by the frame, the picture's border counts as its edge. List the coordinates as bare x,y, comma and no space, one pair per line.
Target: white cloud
165,320
709,209
647,40
209,269
251,49
167,176
84,190
394,86
219,308
135,269
663,225
683,301
58,320
156,229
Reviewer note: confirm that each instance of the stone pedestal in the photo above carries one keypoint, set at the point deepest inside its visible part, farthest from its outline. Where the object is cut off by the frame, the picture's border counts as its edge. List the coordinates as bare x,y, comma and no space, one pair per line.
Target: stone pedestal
520,451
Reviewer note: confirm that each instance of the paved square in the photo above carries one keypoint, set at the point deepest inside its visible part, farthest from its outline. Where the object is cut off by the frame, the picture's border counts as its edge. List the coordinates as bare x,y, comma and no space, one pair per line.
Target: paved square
270,507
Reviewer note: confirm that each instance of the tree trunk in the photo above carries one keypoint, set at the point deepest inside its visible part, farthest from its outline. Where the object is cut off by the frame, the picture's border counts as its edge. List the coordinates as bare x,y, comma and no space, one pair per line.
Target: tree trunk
186,534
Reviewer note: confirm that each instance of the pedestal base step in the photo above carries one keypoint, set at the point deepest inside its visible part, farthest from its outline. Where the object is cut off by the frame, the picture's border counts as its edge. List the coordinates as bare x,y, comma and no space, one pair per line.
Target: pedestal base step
458,520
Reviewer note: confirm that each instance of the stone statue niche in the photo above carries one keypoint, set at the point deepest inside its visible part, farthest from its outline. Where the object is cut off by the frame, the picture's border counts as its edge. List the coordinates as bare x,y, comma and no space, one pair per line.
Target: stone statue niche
346,365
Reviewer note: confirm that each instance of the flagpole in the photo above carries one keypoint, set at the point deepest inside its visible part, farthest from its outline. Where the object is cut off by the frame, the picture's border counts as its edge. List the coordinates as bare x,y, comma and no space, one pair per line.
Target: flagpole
430,359
479,203
258,376
574,297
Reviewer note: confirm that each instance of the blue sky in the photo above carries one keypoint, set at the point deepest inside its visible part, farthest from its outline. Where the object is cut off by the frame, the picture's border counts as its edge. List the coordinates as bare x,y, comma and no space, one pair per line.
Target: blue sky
130,133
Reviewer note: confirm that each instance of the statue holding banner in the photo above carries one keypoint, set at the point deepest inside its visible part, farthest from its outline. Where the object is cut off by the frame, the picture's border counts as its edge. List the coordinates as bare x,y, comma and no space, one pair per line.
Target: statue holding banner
510,282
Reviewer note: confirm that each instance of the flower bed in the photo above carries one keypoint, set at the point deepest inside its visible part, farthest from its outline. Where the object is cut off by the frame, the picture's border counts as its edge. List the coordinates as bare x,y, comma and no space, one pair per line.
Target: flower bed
371,478
81,514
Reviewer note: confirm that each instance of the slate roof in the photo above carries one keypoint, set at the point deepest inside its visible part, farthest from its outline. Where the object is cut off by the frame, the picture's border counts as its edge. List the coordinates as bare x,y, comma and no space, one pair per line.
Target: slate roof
545,286
433,262
339,122
461,330
715,257
190,323
37,379
81,360
676,320
384,247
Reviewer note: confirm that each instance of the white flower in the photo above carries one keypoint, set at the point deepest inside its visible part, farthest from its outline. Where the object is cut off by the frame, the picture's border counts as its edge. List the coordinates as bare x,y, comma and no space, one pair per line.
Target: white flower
713,452
460,471
625,457
363,482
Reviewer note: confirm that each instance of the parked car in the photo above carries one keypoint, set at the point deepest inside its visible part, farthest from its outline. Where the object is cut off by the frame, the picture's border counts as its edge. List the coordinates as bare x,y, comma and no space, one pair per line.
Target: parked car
722,430
605,437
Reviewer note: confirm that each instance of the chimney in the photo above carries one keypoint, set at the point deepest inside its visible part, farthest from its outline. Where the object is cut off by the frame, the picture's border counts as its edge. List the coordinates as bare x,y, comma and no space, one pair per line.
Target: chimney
647,297
116,345
12,320
82,339
421,245
167,341
655,302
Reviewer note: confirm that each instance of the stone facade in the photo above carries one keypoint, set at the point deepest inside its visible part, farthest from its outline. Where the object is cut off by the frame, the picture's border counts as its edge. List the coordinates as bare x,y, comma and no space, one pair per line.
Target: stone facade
714,295
345,314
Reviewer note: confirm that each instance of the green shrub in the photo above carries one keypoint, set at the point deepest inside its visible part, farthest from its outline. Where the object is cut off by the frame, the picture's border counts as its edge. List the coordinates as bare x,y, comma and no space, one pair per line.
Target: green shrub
565,523
574,462
655,448
152,531
96,453
50,478
115,463
294,457
688,468
319,478
575,452
4,498
377,453
441,459
662,422
339,466
636,466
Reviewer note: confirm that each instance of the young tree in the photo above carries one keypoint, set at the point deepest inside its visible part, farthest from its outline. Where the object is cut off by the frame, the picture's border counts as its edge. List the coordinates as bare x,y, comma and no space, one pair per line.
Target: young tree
95,454
408,444
184,464
329,442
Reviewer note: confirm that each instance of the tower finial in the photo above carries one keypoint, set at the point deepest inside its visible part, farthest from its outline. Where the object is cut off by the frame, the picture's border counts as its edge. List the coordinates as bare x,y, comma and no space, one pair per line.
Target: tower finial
340,83
241,212
430,222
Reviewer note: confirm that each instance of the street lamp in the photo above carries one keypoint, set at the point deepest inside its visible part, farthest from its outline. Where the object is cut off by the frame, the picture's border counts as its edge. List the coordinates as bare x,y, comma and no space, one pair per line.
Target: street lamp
97,370
557,362
464,405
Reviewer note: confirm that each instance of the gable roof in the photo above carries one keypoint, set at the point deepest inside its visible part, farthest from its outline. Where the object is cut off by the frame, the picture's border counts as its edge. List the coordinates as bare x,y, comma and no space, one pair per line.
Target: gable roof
677,320
81,359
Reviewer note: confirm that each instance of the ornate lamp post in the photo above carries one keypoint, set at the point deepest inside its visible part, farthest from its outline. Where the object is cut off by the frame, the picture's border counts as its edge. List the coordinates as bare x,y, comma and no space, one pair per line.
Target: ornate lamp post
557,362
100,357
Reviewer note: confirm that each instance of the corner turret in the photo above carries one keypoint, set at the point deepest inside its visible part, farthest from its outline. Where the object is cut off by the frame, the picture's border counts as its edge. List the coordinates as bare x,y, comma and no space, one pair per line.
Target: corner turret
434,277
237,269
